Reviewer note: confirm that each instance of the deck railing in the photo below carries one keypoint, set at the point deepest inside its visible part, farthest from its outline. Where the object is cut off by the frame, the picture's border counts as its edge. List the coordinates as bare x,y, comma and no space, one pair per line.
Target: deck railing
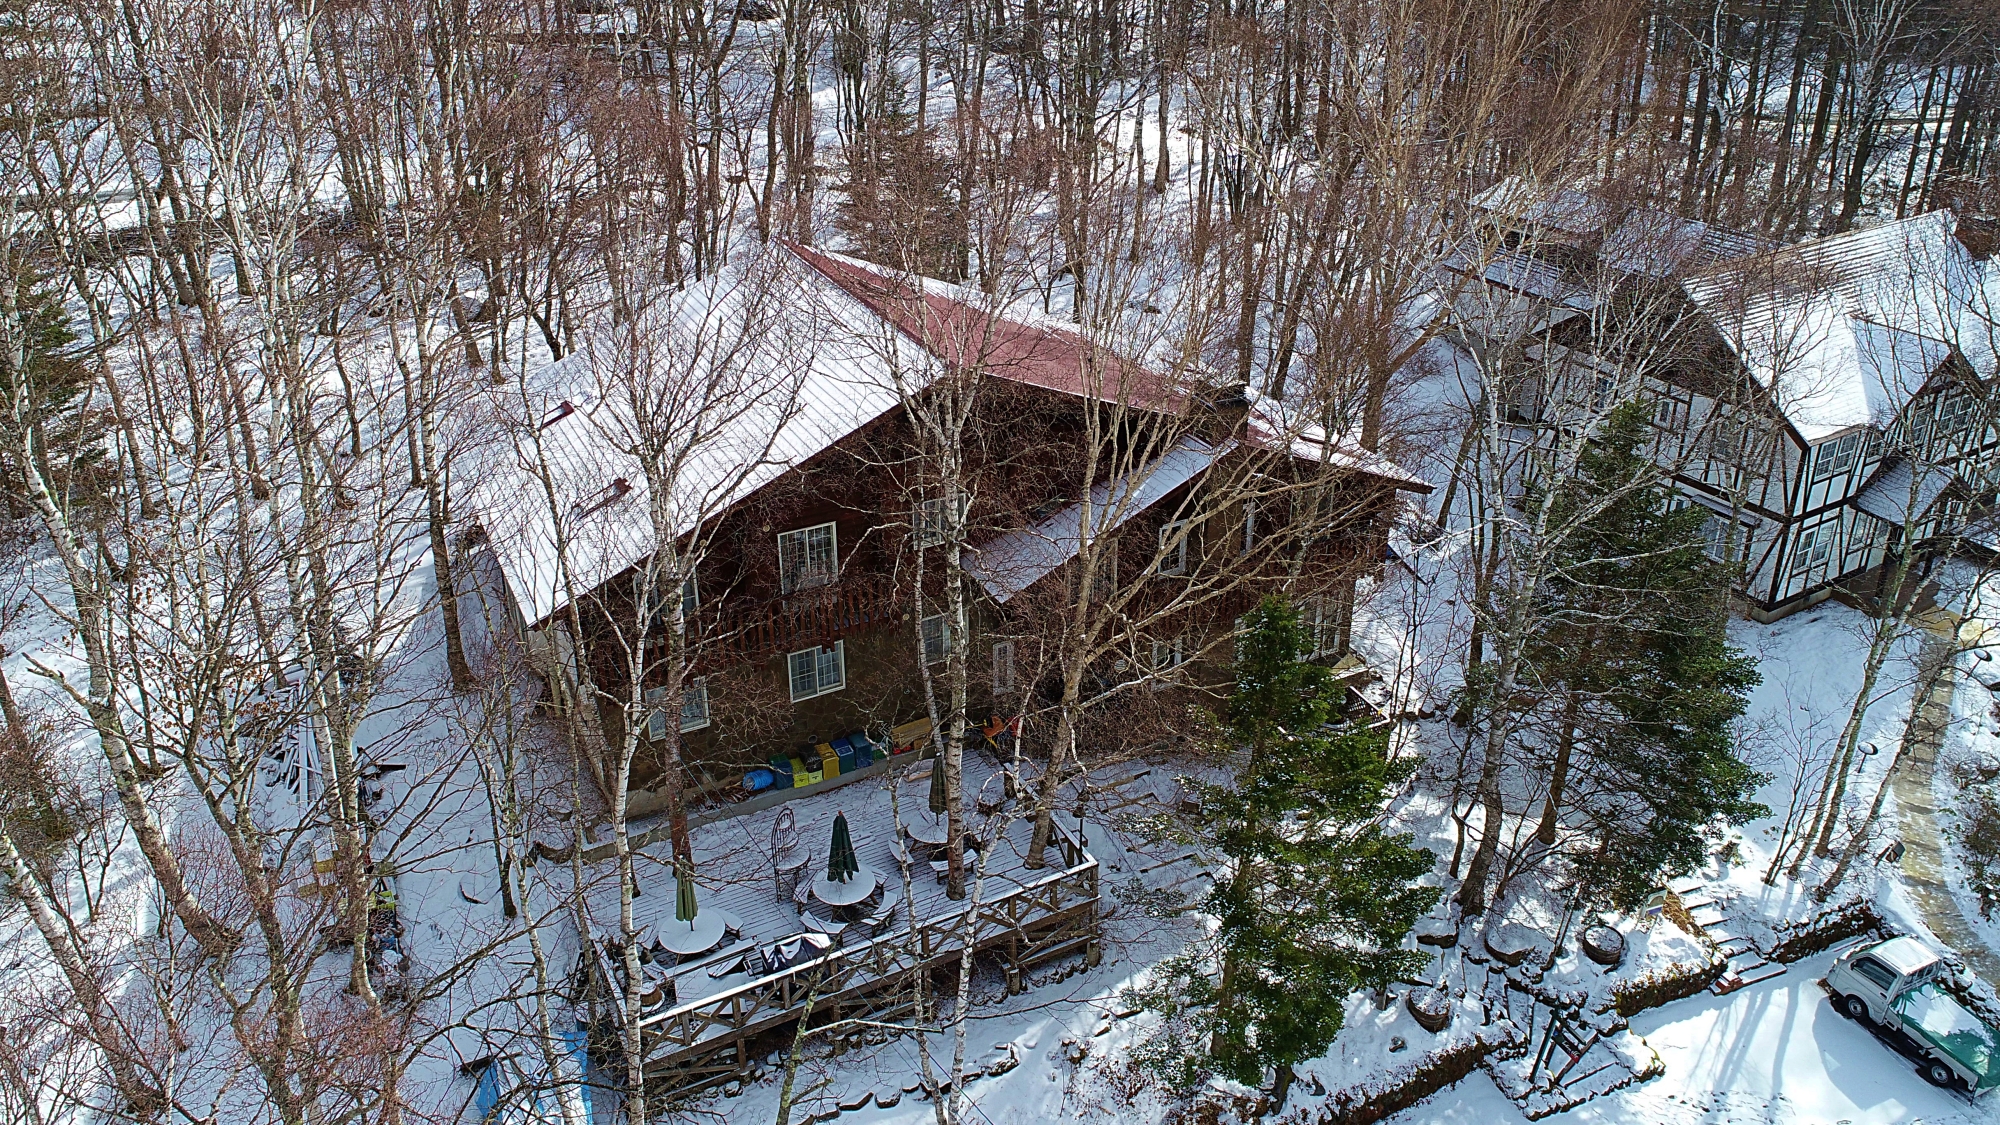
847,971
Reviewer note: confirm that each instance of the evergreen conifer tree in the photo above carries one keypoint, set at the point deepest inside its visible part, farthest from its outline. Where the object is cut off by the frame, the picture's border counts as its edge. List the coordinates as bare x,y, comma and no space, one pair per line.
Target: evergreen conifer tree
1313,895
1645,681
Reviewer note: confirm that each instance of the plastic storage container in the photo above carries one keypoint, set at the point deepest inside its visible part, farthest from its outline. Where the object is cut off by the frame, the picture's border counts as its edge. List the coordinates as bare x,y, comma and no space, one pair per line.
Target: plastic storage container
844,750
781,772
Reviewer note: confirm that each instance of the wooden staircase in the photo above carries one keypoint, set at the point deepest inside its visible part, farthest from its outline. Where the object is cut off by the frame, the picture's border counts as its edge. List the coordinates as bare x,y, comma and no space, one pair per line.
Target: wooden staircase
1746,965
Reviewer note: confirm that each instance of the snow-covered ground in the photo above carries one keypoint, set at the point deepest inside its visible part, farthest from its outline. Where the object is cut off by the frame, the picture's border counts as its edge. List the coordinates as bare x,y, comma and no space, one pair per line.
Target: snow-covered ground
1774,1053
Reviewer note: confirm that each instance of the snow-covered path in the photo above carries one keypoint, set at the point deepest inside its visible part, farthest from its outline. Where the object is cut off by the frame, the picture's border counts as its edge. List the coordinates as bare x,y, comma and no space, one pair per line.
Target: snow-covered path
1775,1054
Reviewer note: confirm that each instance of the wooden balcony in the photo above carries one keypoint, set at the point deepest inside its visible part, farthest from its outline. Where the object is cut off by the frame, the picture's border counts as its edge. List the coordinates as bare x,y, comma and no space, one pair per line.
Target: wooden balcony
716,1026
817,616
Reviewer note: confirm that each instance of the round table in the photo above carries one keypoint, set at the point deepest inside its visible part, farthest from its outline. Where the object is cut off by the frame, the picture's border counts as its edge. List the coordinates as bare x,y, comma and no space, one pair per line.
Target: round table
855,890
931,830
690,939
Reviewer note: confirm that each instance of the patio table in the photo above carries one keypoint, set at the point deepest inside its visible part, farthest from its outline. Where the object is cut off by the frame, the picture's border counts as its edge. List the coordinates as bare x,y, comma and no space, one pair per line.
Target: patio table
855,890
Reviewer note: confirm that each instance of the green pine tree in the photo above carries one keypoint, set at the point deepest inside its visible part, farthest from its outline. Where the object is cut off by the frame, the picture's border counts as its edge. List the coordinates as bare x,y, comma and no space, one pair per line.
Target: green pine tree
1645,683
49,367
1314,895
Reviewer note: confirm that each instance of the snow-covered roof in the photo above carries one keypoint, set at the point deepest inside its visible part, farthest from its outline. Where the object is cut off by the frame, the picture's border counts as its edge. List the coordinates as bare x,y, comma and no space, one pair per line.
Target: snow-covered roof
1905,955
556,480
566,437
1524,273
1015,561
1889,496
1659,245
1563,209
1844,330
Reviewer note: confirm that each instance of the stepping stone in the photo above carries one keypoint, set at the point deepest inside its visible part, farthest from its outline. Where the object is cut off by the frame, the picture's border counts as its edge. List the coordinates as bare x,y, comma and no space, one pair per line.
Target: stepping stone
850,1104
888,1101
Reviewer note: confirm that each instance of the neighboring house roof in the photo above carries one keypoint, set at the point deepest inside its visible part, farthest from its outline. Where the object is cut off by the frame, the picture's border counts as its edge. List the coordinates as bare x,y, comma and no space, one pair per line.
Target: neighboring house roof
1894,495
1844,330
1019,559
1564,209
1525,273
964,329
1658,245
1636,240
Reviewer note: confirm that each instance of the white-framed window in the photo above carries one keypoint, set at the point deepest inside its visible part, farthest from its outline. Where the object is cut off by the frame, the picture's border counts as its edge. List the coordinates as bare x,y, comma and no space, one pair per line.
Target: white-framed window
1836,457
690,601
1249,525
1321,617
929,523
817,671
1954,412
1815,546
936,634
1715,537
1105,583
807,557
1003,667
694,704
1174,547
694,708
1167,656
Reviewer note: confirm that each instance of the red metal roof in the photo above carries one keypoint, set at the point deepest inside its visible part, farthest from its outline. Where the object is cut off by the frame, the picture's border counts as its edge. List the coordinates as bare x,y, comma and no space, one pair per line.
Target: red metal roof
969,338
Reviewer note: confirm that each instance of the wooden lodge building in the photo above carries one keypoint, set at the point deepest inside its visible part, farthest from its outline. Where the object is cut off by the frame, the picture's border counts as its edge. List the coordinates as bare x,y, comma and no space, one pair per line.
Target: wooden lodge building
807,518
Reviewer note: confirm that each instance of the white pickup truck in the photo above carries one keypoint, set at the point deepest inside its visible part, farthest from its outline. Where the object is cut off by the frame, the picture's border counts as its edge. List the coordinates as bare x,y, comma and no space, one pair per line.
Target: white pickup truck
1897,985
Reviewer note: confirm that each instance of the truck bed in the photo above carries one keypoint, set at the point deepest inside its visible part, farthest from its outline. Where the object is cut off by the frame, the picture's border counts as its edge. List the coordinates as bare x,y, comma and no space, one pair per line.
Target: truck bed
1934,1016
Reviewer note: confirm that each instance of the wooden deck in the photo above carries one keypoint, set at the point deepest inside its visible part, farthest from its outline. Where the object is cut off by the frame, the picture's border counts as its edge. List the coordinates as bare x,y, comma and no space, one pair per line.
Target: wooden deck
1025,916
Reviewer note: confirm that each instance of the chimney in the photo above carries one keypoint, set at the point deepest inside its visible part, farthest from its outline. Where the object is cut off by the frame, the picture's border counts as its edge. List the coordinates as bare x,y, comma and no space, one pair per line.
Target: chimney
1229,403
1978,232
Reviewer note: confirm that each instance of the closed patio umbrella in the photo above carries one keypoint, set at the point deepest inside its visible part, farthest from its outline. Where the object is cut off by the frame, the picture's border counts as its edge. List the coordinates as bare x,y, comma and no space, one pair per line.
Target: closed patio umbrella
685,906
841,863
937,794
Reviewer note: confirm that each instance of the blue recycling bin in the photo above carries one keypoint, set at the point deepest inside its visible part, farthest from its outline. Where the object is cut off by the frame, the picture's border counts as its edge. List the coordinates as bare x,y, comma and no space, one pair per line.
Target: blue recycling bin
864,750
781,770
844,750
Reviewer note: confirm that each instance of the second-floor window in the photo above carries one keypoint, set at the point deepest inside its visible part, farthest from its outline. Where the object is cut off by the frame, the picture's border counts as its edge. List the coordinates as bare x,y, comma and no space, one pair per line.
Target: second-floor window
690,601
817,671
807,557
1167,656
936,634
1249,525
1836,457
1174,547
1003,667
931,523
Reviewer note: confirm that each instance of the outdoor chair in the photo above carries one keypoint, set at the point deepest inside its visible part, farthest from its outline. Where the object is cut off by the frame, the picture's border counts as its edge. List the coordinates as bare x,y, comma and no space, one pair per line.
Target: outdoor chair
883,917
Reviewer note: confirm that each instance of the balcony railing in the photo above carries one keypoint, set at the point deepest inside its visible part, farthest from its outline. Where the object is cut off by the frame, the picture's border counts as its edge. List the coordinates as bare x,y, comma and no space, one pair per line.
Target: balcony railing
810,617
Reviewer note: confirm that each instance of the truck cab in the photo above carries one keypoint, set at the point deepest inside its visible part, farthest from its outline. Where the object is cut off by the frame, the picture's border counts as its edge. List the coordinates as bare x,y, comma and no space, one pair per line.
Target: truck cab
1899,987
1866,982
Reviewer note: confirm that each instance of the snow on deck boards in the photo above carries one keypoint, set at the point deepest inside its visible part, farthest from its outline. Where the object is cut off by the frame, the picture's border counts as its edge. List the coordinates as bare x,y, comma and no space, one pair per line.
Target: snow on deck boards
733,866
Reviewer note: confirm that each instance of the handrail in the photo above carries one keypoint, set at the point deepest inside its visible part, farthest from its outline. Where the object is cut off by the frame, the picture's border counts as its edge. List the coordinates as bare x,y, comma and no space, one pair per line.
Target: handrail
942,925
